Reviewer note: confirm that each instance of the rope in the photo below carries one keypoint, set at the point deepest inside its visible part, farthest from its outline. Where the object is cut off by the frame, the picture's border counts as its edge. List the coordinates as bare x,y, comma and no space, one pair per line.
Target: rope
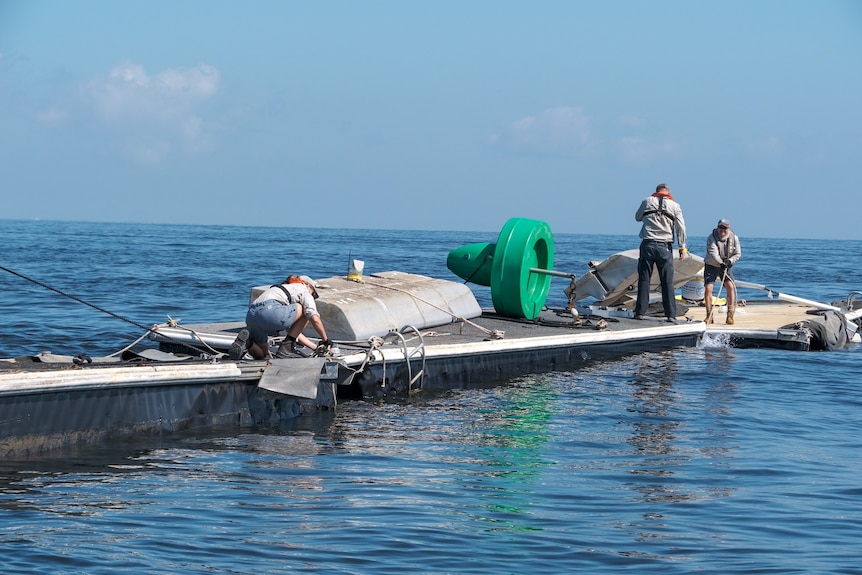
128,347
723,279
374,344
485,260
495,333
173,323
147,330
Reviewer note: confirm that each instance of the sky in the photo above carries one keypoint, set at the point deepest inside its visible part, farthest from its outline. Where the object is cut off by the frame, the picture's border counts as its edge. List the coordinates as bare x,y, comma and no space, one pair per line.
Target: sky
434,114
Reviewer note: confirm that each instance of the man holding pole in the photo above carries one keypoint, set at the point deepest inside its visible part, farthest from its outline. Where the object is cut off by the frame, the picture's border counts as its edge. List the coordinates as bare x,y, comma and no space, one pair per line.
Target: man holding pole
722,251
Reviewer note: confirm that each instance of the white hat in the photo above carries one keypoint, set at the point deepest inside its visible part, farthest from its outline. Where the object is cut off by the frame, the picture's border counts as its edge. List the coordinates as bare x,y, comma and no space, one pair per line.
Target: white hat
308,280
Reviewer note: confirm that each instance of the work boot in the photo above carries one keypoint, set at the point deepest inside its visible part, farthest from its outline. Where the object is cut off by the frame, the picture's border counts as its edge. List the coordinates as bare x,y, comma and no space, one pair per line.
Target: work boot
708,319
291,349
729,316
239,347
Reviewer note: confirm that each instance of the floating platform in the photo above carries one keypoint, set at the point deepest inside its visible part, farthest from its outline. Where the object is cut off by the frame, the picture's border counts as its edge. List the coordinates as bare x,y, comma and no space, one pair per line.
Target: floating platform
770,324
397,333
455,349
49,402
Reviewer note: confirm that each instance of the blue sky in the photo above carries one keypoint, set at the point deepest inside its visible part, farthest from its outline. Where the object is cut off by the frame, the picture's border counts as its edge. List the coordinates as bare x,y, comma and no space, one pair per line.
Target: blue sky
434,115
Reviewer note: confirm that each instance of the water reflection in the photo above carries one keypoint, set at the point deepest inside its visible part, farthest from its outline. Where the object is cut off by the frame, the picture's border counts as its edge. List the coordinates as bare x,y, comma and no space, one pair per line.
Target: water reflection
512,434
480,451
517,428
721,394
653,423
673,427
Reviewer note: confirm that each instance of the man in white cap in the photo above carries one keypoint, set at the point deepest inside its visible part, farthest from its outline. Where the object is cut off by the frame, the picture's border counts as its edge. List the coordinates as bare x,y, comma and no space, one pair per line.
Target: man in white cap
288,306
722,251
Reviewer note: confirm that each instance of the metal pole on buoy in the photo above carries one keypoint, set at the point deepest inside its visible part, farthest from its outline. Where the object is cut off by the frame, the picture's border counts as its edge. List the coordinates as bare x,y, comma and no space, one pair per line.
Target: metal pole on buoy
570,292
553,273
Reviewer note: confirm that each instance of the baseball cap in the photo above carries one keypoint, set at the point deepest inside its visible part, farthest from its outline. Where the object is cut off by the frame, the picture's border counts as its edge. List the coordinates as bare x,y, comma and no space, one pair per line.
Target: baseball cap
723,223
309,281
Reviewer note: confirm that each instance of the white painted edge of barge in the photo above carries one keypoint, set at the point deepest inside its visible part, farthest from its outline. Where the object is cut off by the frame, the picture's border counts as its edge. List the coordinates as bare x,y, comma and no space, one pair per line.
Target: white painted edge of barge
493,346
756,332
128,376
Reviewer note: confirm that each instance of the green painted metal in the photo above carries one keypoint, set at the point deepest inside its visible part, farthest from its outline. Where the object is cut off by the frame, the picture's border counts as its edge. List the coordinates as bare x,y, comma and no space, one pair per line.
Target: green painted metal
522,244
472,262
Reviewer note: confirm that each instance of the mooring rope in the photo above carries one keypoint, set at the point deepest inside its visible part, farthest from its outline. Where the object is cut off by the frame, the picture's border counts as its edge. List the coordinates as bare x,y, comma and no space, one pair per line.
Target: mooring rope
147,330
128,347
495,333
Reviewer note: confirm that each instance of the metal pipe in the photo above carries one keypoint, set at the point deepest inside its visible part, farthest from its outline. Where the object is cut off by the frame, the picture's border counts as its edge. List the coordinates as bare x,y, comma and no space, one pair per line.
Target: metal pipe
552,273
786,297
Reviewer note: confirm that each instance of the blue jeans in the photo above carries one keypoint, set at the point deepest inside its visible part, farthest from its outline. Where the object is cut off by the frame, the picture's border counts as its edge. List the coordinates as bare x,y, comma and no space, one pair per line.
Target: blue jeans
268,318
659,254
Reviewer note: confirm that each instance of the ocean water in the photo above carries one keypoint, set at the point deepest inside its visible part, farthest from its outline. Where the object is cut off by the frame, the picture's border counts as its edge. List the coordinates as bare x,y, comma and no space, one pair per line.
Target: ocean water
711,459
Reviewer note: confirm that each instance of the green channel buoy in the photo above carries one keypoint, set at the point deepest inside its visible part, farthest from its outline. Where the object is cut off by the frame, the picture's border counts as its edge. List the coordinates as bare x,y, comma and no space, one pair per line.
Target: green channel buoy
472,262
505,267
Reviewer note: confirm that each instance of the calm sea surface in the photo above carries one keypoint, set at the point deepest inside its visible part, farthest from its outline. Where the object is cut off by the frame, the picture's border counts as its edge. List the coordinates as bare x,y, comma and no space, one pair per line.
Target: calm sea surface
712,459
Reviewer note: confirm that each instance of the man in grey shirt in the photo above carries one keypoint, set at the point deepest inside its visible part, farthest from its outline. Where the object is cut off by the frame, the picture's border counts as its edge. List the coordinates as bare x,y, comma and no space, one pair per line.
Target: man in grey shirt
662,219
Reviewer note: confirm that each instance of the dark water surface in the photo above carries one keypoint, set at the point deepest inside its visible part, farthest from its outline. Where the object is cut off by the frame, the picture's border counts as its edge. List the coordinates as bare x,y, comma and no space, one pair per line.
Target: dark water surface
712,459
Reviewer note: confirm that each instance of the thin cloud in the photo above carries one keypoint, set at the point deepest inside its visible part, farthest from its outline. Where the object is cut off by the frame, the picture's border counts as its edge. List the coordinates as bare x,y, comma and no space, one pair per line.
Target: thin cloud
643,152
52,116
145,108
567,131
630,122
149,152
128,93
638,146
769,147
562,130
